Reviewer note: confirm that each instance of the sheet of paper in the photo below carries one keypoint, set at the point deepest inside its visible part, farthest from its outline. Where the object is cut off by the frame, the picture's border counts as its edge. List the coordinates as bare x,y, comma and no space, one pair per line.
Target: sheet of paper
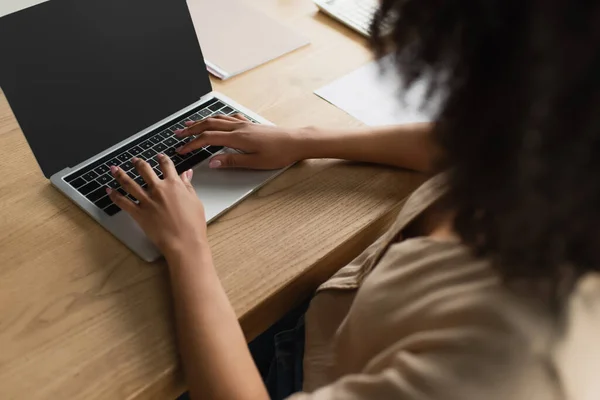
374,95
11,6
236,37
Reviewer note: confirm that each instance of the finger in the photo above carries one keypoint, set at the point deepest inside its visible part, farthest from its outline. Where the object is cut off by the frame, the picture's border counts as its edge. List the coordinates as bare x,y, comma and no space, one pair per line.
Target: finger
249,161
225,117
209,124
211,139
220,116
166,166
145,171
240,117
186,178
122,202
128,184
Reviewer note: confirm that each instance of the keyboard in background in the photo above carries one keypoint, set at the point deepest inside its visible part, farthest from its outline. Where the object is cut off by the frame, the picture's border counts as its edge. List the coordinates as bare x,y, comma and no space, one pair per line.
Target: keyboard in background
91,181
356,14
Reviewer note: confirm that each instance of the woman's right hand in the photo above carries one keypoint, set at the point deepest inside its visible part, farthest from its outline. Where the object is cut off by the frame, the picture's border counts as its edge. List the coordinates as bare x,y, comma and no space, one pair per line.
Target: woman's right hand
263,146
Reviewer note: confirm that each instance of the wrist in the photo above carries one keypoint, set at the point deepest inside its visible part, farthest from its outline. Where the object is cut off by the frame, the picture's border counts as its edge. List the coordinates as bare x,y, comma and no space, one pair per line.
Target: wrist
306,143
180,253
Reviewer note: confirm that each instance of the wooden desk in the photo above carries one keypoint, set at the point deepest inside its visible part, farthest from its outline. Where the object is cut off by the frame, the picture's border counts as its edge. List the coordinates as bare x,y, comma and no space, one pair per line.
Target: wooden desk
82,317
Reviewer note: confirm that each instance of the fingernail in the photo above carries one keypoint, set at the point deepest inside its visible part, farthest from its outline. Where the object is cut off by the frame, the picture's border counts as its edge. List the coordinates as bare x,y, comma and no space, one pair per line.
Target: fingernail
215,164
189,174
178,132
160,155
113,169
134,160
188,123
108,190
179,149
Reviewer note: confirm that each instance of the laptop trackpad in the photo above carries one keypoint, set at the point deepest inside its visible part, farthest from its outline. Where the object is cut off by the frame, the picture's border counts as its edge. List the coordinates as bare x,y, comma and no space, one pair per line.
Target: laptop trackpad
219,189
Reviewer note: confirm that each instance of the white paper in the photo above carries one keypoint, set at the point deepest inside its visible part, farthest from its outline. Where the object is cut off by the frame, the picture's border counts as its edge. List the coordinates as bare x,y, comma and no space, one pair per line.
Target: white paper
235,37
11,6
216,71
376,97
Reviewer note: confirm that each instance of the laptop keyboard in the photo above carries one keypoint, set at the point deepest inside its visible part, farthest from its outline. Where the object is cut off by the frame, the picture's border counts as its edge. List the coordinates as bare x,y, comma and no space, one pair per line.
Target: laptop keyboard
91,181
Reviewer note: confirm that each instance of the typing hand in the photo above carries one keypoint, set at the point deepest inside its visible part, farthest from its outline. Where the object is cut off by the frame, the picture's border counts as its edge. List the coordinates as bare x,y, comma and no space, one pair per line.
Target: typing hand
169,211
264,147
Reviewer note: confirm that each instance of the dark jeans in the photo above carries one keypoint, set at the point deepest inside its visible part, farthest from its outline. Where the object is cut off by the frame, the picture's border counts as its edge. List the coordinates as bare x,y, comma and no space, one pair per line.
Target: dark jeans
278,353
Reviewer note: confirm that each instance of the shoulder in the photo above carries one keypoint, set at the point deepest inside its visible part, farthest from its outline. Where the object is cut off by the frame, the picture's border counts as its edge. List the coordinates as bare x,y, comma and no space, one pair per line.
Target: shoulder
438,298
425,267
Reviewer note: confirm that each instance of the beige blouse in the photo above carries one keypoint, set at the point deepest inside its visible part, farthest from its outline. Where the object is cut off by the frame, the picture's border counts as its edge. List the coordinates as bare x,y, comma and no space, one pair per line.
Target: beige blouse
423,319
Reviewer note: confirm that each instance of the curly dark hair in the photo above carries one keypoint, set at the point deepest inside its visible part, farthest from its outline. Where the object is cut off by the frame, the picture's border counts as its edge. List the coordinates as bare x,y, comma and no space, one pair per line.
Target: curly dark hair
519,125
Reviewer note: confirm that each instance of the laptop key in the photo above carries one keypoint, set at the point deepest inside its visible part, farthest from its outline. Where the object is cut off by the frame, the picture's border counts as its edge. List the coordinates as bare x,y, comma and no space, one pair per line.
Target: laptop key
214,149
149,153
186,155
90,176
140,181
113,184
114,162
146,145
104,179
192,161
102,169
103,202
134,151
227,110
127,166
166,133
153,163
158,173
132,174
205,113
170,141
216,106
124,157
112,210
96,194
176,159
122,192
156,139
78,182
71,178
170,151
160,147
88,187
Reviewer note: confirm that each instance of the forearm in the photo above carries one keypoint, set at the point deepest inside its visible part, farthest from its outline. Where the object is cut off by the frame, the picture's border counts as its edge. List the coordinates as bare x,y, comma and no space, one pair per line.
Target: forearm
407,146
216,359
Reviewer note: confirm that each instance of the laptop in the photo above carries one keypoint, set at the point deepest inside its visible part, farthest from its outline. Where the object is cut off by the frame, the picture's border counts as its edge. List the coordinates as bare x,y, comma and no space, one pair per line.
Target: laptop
94,83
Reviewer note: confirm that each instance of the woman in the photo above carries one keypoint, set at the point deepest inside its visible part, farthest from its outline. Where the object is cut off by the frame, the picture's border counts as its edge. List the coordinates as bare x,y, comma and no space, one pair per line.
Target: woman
486,285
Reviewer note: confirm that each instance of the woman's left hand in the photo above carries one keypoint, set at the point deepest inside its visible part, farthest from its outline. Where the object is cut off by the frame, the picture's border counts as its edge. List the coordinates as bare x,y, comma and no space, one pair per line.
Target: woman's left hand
169,211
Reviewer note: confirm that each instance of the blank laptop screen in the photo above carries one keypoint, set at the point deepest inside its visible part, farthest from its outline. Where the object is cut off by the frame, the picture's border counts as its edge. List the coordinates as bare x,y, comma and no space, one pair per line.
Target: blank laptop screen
82,75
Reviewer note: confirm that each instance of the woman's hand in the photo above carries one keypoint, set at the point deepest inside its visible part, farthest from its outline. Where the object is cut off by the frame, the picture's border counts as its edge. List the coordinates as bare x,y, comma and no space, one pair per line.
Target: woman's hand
264,146
169,211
